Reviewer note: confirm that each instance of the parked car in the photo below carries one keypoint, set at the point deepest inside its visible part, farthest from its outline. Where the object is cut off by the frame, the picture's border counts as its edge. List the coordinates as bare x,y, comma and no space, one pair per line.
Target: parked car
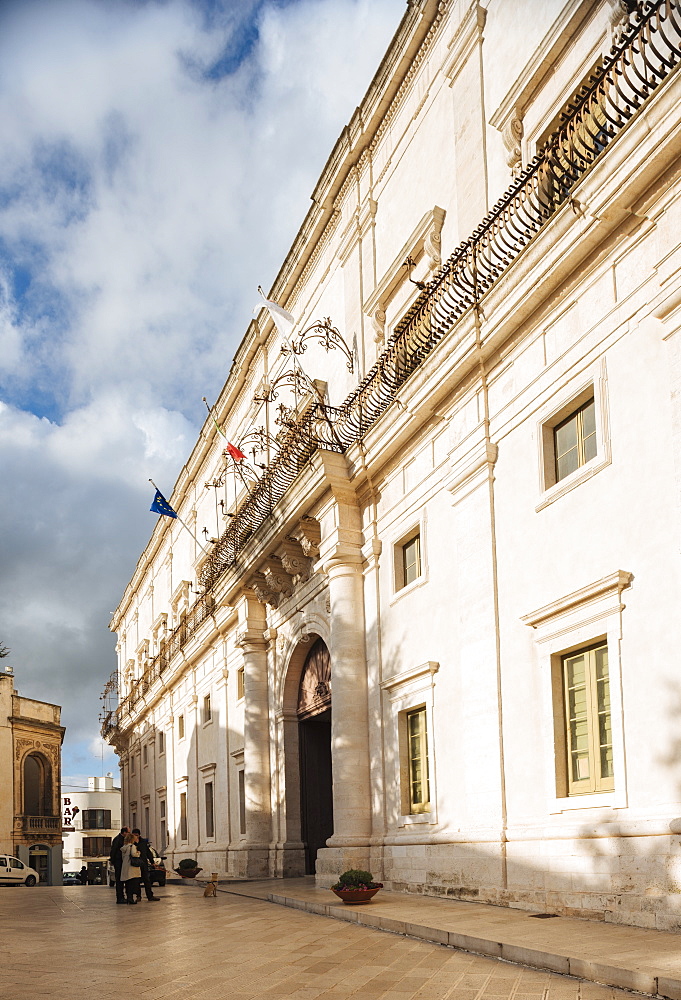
15,872
157,873
72,878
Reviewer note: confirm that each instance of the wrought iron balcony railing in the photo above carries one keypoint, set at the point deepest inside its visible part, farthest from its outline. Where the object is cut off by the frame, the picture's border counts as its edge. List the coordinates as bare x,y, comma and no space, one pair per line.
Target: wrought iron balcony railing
649,50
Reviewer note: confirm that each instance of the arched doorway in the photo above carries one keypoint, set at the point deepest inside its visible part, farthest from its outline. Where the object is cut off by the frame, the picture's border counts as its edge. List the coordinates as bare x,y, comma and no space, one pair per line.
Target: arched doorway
314,742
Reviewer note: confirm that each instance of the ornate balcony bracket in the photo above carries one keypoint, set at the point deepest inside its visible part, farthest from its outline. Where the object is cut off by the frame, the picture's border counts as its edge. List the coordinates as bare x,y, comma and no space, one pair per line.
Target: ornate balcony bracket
259,585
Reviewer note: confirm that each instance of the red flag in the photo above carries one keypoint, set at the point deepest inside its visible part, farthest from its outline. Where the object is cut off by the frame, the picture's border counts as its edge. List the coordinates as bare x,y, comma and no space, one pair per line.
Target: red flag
234,452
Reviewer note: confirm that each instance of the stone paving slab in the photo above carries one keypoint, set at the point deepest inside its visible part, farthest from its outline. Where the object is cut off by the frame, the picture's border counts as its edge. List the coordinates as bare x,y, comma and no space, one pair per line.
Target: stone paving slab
616,955
73,943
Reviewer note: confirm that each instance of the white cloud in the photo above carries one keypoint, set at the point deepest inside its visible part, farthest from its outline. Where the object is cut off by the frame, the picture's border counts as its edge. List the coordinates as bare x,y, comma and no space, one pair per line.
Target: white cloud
141,203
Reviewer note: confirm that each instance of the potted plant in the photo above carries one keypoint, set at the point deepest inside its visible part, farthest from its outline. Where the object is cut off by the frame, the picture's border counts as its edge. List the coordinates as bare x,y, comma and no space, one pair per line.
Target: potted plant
188,868
356,886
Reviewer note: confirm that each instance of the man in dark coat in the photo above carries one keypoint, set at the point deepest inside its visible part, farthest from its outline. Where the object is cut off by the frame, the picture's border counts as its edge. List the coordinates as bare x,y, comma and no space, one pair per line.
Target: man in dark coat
83,876
116,859
147,863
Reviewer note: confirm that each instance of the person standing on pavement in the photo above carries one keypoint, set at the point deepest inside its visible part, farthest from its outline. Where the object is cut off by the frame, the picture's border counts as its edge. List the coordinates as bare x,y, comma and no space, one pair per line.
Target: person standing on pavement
145,868
82,875
130,868
116,860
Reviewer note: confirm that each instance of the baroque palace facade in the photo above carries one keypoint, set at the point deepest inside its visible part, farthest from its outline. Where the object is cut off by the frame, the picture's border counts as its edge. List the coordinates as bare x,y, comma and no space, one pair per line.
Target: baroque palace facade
432,628
31,737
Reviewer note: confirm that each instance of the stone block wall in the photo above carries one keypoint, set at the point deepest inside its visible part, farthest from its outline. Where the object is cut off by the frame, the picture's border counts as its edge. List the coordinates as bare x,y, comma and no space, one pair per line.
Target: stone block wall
625,880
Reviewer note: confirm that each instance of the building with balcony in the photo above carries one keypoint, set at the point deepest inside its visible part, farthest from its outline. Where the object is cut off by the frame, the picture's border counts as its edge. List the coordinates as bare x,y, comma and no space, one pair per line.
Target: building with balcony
433,629
91,818
30,772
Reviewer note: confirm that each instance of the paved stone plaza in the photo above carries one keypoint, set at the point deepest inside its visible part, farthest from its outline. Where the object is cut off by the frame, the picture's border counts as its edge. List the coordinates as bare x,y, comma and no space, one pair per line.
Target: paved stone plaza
74,942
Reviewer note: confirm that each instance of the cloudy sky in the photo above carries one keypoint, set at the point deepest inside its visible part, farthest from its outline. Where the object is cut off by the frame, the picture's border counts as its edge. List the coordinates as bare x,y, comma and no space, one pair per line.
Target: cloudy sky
157,160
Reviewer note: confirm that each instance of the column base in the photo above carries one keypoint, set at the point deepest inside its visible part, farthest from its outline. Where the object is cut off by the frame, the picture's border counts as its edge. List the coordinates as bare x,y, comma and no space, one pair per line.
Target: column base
249,862
333,861
288,860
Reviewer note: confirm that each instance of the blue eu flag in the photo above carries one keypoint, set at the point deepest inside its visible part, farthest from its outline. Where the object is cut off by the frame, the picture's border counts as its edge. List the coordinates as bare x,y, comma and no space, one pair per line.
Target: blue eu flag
161,505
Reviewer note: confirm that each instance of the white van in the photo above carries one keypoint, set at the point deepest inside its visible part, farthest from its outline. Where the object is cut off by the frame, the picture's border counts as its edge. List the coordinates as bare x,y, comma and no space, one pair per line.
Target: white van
15,872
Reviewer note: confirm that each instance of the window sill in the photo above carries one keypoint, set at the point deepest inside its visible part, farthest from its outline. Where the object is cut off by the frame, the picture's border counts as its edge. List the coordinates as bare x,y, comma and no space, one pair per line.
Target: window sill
410,587
589,800
412,819
575,479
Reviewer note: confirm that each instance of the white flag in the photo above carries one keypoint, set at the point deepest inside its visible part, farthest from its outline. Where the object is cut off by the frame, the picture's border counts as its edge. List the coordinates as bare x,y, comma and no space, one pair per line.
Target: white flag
283,320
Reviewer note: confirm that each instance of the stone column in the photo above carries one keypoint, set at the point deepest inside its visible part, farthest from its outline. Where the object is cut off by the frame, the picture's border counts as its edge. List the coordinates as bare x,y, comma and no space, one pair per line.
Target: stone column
256,742
341,559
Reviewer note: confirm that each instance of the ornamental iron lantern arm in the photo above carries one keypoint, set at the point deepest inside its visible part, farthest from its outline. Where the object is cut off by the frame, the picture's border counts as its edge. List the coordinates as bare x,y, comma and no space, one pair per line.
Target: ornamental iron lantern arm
328,336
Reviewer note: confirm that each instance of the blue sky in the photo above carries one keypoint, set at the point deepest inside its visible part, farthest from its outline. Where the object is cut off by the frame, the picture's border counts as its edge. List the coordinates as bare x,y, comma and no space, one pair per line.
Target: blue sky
158,159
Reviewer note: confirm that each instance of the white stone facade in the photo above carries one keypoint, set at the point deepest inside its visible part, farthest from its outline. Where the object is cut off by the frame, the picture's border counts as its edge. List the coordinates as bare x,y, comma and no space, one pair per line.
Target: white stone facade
515,567
91,819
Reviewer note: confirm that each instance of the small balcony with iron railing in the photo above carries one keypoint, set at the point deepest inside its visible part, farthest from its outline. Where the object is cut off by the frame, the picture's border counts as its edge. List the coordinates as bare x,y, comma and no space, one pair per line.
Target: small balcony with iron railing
648,52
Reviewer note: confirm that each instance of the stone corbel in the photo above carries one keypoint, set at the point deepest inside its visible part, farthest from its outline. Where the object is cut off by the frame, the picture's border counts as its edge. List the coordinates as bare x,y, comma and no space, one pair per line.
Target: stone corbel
294,561
278,580
620,12
261,588
308,535
512,133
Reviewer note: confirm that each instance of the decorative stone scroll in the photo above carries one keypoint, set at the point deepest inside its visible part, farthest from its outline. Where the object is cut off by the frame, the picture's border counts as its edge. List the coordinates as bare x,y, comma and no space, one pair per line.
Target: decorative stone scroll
262,590
294,561
308,534
278,580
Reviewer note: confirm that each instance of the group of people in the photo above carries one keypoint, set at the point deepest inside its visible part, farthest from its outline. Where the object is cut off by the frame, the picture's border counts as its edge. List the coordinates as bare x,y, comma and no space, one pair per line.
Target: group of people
132,860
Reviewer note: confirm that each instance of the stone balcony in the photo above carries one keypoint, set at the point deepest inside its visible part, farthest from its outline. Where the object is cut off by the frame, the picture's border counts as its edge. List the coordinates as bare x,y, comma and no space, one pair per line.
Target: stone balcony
38,824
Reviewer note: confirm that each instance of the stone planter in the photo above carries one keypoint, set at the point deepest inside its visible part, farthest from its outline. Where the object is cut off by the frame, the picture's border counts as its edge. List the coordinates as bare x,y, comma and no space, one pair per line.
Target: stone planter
188,872
354,896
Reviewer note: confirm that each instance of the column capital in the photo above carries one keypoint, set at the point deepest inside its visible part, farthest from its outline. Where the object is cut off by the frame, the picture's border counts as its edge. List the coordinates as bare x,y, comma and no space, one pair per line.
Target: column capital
250,641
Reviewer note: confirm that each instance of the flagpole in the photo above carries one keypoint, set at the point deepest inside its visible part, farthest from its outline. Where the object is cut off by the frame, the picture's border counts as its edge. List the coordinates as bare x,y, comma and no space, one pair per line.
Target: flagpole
186,527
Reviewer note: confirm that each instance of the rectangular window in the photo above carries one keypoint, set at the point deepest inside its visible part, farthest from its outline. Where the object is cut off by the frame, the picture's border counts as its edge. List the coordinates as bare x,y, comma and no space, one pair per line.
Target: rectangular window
96,847
134,821
161,742
96,819
242,803
183,817
207,712
132,764
145,755
164,834
146,822
417,749
411,560
240,683
574,440
588,726
180,727
210,823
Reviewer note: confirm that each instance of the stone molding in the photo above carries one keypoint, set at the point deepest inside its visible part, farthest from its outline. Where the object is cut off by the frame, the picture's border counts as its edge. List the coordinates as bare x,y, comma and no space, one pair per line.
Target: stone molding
429,667
607,587
425,240
466,37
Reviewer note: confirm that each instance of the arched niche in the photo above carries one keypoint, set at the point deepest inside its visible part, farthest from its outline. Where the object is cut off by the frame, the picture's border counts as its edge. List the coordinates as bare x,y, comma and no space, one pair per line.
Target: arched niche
37,785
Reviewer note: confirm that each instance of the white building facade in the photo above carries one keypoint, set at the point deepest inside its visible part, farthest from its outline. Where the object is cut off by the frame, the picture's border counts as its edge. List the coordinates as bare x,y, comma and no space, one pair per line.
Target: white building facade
435,632
90,821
